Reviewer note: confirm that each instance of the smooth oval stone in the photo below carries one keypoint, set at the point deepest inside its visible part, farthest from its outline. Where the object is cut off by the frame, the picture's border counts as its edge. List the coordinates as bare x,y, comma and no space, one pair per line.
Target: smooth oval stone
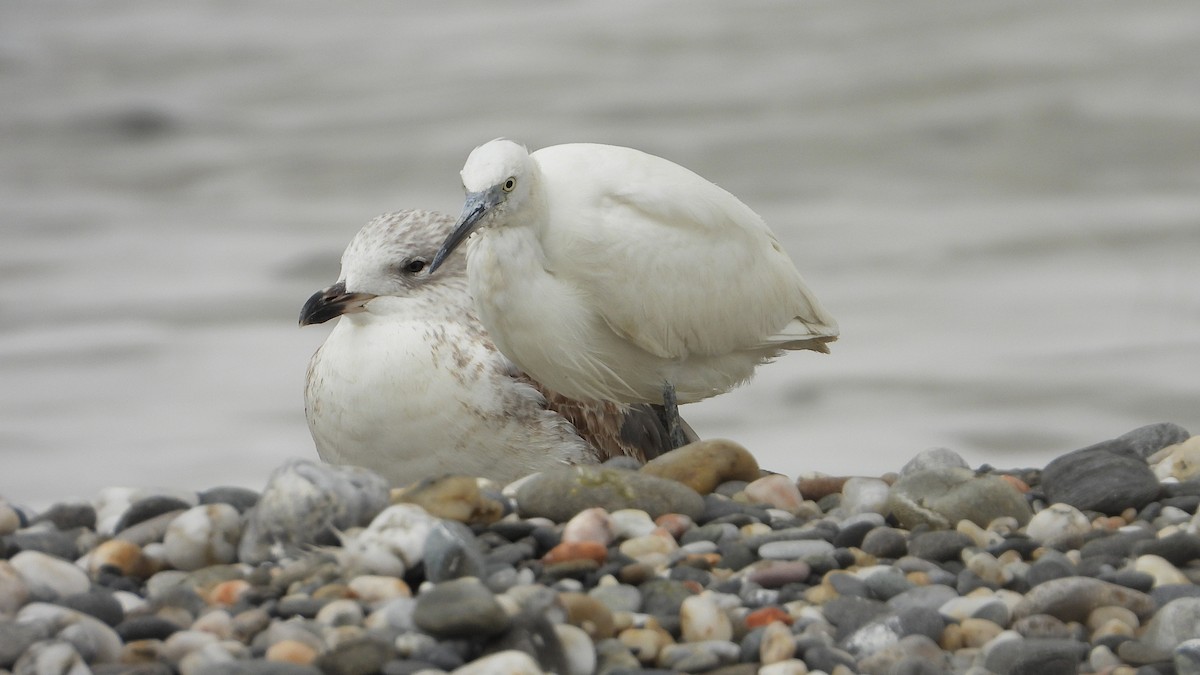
1107,477
938,546
559,494
701,619
454,497
942,497
1074,598
704,465
48,577
460,608
1175,622
1037,655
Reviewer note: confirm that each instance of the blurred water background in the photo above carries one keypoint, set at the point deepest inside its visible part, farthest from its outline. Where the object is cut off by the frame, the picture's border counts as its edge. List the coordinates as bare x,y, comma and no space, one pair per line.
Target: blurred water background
1000,202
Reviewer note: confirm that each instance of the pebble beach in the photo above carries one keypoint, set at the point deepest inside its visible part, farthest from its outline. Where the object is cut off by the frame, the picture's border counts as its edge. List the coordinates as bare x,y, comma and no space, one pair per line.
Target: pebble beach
701,561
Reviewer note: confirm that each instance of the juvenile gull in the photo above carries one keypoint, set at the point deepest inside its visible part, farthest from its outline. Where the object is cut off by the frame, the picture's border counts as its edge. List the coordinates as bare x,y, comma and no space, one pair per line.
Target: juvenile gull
408,383
613,275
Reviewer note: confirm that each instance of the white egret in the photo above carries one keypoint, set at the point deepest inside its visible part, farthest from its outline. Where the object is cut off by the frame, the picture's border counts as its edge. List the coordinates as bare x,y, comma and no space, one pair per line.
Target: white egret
613,275
409,385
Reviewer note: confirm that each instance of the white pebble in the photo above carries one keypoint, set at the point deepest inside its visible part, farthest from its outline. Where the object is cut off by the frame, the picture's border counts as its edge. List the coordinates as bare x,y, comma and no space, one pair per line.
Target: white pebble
778,644
632,523
375,590
203,536
1164,573
578,648
700,619
594,524
393,543
92,638
865,495
14,592
509,662
1059,526
51,658
47,577
342,612
789,667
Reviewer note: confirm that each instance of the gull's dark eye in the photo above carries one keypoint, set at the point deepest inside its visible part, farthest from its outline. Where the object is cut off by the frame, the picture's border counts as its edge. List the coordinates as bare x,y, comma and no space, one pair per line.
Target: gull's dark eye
413,266
509,184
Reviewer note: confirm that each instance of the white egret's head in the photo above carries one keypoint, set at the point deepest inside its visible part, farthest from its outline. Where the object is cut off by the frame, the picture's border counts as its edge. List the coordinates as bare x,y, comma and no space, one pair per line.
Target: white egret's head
496,178
388,257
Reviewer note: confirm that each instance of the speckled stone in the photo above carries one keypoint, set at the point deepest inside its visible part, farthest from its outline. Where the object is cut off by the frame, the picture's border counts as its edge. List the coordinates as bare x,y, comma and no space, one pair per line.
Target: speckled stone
1074,598
559,494
940,498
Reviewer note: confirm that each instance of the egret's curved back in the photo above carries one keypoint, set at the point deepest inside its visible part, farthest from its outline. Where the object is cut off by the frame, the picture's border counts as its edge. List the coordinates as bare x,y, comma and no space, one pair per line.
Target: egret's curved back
700,272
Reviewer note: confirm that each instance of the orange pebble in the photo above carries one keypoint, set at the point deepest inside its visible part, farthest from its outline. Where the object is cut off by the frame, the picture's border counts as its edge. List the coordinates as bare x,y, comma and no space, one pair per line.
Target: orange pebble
291,651
576,550
674,523
767,615
228,592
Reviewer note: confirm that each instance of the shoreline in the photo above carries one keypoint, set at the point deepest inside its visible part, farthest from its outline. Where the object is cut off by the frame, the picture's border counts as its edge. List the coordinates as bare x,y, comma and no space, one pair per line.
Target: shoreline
697,562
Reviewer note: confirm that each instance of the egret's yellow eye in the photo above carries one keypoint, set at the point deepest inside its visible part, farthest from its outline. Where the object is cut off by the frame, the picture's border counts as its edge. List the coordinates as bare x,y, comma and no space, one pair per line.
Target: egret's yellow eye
510,184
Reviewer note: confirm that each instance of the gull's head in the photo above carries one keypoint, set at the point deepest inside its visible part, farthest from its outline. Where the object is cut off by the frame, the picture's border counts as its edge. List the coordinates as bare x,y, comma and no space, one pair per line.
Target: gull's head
496,178
387,258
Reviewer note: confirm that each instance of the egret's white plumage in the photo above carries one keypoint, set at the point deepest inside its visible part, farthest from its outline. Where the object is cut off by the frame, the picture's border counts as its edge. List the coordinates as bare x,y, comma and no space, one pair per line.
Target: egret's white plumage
606,273
408,383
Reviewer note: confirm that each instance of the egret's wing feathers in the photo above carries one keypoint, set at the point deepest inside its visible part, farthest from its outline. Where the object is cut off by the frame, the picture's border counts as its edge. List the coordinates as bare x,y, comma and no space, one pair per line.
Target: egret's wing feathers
682,222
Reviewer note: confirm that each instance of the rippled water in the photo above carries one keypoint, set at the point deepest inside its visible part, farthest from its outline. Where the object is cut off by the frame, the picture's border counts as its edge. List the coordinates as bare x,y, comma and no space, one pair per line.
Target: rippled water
999,202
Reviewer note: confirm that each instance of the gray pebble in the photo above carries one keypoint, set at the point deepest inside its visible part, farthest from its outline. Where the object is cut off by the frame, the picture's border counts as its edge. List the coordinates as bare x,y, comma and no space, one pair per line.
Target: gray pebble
149,507
1147,440
1187,657
452,552
938,546
68,516
885,542
356,657
1074,598
15,639
1175,622
934,458
1036,657
460,608
98,603
1108,477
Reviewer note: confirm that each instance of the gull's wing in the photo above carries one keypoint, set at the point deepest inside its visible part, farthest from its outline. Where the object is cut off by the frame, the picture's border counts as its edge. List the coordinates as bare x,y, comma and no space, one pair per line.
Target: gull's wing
697,271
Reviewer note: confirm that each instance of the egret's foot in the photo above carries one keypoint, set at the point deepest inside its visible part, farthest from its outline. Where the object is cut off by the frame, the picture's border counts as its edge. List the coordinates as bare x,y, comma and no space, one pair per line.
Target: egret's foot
671,419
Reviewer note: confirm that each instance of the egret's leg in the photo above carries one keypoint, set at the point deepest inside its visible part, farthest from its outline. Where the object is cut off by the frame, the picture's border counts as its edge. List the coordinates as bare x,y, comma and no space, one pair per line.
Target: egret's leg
671,417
